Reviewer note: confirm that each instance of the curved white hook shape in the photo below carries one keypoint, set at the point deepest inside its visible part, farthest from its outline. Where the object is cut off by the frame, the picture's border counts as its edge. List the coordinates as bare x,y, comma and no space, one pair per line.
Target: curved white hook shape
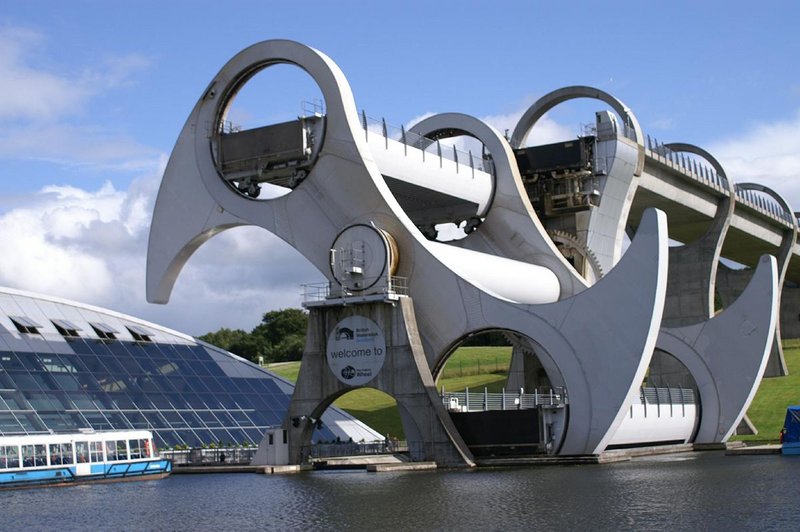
511,228
727,354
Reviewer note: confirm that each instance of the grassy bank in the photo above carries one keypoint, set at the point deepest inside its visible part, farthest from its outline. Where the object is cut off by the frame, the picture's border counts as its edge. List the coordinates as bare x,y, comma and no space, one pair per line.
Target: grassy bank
479,367
470,367
768,409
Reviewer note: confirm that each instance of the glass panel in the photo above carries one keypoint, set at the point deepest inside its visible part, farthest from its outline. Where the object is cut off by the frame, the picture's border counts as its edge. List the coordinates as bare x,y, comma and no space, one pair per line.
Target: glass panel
227,401
254,435
9,456
166,438
141,401
111,450
23,380
82,451
15,401
9,424
31,423
96,451
138,420
82,401
223,437
135,447
122,450
201,370
93,364
97,420
241,418
9,360
227,421
208,418
206,436
65,381
166,367
174,419
57,423
118,420
156,420
177,401
5,381
122,401
190,438
239,437
88,381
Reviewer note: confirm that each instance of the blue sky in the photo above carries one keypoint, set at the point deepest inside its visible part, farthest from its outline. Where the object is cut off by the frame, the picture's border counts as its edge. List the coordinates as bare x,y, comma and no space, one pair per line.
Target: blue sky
97,92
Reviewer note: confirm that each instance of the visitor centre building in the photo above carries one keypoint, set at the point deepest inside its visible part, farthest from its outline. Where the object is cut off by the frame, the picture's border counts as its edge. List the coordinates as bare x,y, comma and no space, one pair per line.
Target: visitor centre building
69,367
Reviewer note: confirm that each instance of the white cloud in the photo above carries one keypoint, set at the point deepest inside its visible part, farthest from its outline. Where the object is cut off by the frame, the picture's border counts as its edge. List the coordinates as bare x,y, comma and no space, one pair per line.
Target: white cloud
765,154
41,109
36,94
91,246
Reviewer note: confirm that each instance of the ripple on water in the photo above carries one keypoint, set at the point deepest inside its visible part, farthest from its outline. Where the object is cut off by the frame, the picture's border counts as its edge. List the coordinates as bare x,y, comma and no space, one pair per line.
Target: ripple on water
705,491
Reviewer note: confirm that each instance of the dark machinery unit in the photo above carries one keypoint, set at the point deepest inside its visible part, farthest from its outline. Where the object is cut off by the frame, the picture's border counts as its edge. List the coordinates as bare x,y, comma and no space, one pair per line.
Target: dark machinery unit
559,178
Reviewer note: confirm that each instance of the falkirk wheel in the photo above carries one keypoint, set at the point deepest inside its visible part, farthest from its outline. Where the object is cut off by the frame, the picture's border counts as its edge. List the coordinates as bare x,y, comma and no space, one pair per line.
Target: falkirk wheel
358,204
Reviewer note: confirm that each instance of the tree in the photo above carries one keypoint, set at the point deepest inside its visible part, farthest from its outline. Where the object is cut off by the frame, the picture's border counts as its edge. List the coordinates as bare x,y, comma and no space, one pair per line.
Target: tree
238,342
281,336
284,332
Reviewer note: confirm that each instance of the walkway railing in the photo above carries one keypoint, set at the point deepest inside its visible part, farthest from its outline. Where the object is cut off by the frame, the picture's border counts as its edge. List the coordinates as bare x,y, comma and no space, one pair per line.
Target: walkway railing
467,401
763,203
420,144
233,455
689,166
702,173
317,292
664,396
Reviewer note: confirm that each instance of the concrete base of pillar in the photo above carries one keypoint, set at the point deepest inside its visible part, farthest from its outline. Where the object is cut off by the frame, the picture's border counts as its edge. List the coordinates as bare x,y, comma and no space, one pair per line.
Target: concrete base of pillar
404,375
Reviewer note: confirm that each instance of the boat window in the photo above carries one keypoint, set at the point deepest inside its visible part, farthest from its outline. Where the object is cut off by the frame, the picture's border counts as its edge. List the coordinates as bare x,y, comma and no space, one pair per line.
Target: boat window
122,450
34,455
82,451
9,456
96,451
111,450
148,448
60,453
136,448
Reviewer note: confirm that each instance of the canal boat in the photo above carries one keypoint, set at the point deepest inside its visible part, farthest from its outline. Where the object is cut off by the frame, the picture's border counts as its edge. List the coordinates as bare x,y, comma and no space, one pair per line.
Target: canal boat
790,435
64,459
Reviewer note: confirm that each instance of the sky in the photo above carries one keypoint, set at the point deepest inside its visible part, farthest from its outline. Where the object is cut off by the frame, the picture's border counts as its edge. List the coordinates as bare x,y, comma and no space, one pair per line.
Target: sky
96,93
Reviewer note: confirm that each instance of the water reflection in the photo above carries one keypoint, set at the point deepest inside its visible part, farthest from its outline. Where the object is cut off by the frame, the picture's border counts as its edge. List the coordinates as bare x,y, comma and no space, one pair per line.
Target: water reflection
678,492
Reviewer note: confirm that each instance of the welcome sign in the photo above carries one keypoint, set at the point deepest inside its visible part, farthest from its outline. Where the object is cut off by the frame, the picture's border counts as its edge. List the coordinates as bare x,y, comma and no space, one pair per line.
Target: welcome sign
356,350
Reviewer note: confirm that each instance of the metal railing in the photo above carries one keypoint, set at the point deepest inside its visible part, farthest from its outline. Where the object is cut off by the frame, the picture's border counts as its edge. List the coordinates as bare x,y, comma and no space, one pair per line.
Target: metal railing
665,396
763,203
225,455
689,166
317,292
319,451
429,148
467,401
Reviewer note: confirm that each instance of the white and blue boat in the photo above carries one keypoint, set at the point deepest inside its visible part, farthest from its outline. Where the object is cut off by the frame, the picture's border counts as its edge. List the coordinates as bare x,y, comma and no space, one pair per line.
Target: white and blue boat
790,435
64,459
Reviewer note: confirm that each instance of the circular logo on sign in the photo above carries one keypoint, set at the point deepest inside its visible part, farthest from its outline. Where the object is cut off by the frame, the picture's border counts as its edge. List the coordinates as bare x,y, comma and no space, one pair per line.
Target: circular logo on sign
356,350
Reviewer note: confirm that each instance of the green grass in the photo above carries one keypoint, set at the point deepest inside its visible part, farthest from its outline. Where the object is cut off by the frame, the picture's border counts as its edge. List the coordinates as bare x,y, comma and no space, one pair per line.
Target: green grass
479,367
768,409
473,367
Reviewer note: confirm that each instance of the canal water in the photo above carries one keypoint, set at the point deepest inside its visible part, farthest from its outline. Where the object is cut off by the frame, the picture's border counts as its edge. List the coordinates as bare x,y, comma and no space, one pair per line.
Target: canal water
693,491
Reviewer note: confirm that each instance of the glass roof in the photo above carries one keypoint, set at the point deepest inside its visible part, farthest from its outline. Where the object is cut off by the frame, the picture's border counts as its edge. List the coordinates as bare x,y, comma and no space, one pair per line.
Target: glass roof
178,391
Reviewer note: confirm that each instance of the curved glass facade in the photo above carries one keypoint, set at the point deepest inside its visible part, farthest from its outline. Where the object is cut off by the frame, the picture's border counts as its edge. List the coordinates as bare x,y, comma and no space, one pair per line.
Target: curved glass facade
104,372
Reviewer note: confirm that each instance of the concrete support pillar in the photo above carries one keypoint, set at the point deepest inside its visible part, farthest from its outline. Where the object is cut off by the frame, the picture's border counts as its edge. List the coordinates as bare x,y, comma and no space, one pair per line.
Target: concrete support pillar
404,375
730,285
